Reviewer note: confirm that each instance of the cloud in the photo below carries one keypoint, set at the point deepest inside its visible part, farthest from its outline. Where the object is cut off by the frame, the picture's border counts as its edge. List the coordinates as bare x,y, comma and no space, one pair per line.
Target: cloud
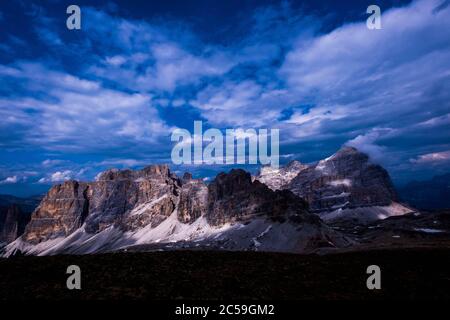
52,162
376,78
123,162
430,158
113,98
58,176
75,113
367,143
10,180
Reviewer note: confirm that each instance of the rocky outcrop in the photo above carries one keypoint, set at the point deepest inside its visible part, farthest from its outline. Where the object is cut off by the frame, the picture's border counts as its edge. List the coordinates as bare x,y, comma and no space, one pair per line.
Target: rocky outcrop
62,211
347,179
125,198
234,197
12,222
429,194
279,178
131,199
193,199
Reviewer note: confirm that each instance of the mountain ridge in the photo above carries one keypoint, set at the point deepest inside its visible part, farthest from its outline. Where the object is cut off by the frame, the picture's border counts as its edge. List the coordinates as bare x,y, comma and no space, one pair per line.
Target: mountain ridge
123,208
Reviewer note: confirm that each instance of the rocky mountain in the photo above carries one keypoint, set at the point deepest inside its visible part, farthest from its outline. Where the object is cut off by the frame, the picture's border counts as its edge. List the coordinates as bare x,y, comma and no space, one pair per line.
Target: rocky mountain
15,214
12,222
152,206
279,178
345,185
25,204
429,194
296,208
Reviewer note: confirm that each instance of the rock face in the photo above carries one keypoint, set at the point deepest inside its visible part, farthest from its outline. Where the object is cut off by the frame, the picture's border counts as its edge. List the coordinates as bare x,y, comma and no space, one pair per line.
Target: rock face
193,199
345,180
62,211
277,179
15,213
129,199
153,206
234,196
12,222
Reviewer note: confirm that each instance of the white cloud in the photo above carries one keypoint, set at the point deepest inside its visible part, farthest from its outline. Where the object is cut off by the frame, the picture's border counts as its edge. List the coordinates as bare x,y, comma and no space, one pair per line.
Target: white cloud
367,143
123,162
377,78
59,176
52,162
116,60
434,157
10,180
77,113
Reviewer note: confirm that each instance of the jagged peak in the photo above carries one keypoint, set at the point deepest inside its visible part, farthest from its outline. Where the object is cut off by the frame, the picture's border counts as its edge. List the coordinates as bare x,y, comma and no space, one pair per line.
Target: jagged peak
345,151
295,165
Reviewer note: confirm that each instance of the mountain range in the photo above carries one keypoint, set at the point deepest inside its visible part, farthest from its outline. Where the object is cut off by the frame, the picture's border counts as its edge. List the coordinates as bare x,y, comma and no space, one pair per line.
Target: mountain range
428,194
297,208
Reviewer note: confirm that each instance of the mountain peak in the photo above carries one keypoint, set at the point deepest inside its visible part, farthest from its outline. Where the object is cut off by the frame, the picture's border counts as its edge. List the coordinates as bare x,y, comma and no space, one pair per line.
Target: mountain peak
345,179
348,149
155,170
277,179
345,151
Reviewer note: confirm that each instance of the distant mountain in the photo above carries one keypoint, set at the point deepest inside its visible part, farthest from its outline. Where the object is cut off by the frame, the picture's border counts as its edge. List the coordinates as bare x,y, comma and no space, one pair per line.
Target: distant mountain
277,179
12,222
345,185
15,213
429,194
25,204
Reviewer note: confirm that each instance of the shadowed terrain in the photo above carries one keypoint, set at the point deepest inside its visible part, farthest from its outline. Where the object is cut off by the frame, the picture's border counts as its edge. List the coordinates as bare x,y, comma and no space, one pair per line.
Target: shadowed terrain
406,274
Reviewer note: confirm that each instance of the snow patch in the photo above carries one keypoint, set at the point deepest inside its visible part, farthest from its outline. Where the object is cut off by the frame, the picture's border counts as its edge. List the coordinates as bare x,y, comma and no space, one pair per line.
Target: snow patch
429,230
341,182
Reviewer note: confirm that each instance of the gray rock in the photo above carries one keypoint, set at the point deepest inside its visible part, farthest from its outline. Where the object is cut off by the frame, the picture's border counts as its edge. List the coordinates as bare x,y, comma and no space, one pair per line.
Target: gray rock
345,180
234,197
277,179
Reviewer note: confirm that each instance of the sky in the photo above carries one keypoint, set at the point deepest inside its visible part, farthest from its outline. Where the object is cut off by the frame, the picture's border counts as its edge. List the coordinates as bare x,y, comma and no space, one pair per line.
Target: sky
76,102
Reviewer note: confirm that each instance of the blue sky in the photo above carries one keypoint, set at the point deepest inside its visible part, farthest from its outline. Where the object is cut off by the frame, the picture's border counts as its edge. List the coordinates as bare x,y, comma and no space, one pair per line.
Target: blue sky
74,103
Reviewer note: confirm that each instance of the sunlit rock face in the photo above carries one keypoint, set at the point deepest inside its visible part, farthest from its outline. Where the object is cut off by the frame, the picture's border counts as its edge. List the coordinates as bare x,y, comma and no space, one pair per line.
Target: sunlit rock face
62,211
193,197
279,178
107,201
346,179
131,199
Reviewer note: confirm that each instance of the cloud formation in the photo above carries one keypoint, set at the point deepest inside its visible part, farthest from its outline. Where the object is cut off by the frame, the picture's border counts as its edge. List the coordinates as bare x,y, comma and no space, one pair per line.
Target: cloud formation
111,94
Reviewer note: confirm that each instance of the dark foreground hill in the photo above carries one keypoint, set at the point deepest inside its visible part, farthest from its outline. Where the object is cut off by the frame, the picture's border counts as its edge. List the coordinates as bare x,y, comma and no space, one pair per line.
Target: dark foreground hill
406,274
